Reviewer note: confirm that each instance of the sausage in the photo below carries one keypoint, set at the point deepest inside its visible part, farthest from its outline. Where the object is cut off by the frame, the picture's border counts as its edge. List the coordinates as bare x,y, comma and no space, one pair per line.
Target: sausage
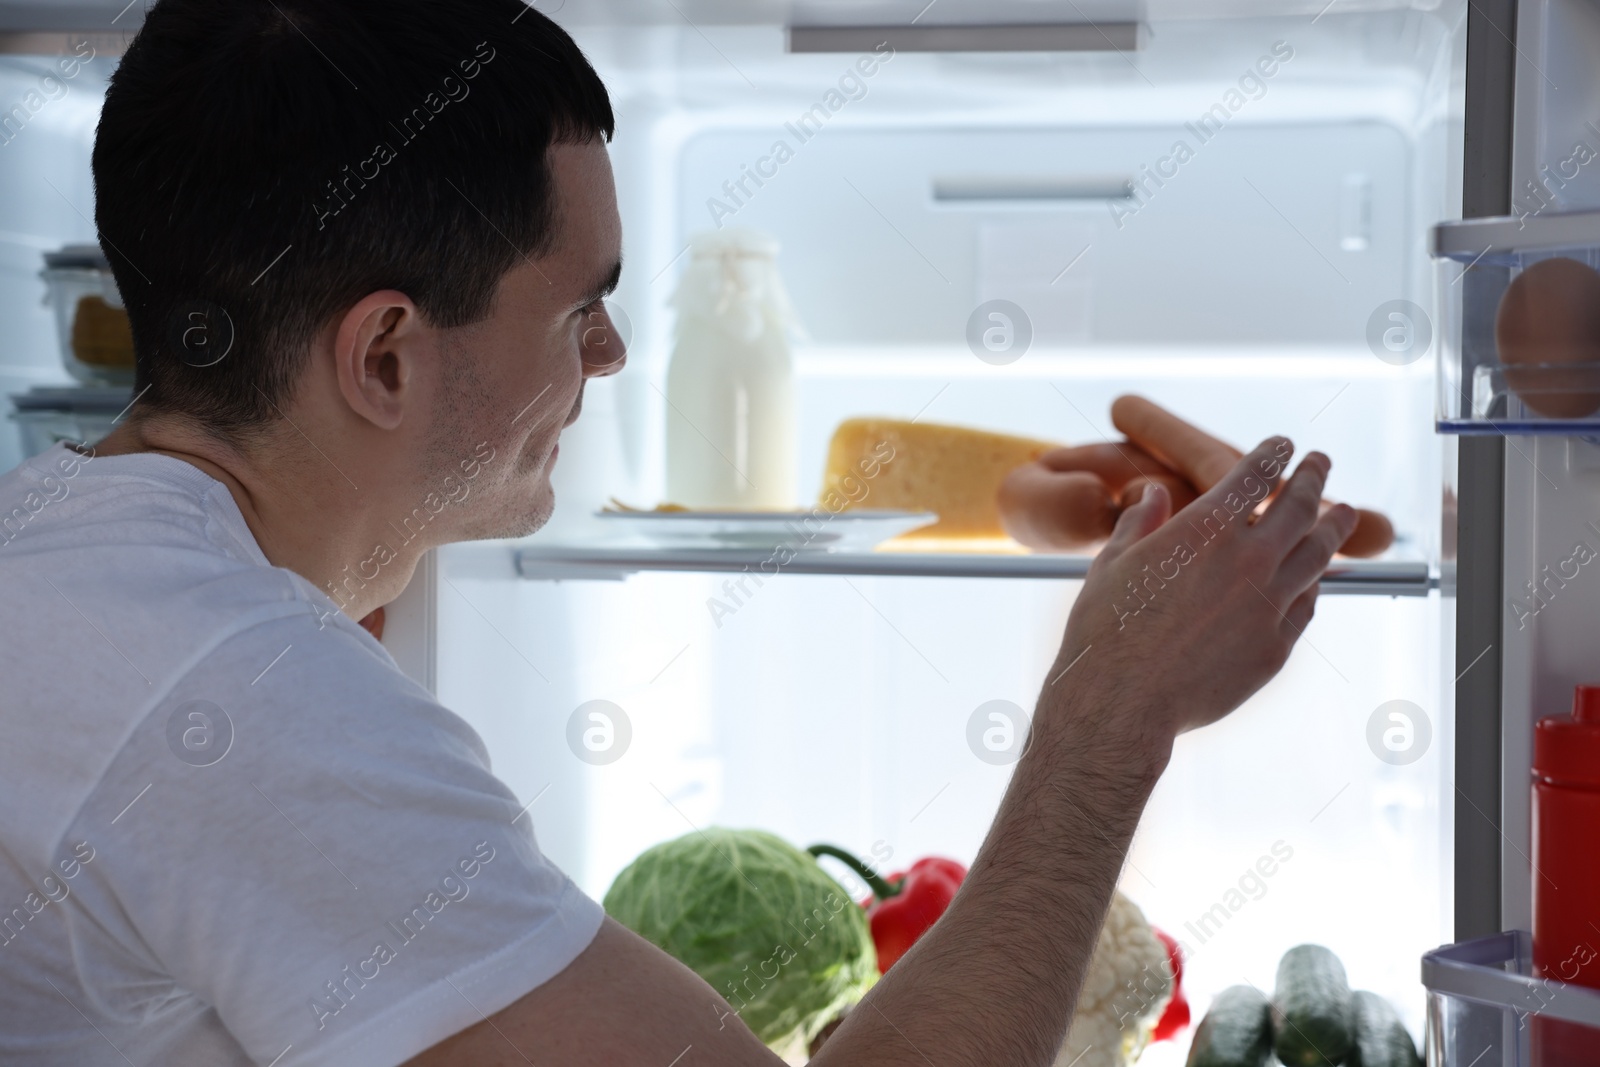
1373,535
1205,461
1125,468
1179,491
1187,449
1054,505
1056,511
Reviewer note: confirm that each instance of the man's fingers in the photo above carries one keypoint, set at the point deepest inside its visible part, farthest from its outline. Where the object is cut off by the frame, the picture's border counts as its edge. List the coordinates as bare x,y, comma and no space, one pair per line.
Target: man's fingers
1138,522
1309,559
1115,462
1231,501
1178,488
1298,615
1292,514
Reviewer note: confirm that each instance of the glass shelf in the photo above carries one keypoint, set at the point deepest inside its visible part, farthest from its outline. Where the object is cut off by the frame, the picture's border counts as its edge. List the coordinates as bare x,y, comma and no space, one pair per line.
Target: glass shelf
589,563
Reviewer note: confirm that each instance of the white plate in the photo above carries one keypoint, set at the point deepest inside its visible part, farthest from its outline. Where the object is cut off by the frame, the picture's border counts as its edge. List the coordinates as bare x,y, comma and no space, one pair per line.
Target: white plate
847,531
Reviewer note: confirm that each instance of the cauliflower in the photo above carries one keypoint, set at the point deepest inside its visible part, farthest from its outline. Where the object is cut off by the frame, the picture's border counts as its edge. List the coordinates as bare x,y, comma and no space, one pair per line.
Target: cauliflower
1126,989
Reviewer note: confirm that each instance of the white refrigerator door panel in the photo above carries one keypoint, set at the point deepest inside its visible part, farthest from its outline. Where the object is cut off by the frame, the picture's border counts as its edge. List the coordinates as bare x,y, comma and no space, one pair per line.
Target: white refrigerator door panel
1552,486
1556,140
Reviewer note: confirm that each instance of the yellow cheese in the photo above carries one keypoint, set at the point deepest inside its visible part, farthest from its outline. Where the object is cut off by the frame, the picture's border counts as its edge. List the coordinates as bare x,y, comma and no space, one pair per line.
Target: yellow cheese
101,334
952,471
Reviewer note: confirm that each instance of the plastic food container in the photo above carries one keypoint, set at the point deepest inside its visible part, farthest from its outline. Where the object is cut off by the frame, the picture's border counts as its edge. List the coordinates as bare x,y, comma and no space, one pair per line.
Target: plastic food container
1477,260
96,342
1483,1001
46,415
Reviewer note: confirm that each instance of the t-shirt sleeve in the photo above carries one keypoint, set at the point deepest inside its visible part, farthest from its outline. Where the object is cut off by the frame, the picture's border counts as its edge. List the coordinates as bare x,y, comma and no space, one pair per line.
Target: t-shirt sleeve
302,839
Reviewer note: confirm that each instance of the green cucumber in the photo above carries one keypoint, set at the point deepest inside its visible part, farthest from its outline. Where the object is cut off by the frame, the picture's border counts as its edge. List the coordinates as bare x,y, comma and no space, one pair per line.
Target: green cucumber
1236,1032
1311,1009
1381,1039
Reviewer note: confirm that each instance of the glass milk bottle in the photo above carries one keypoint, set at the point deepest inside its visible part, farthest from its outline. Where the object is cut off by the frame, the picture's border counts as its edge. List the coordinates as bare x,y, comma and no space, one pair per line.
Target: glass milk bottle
730,385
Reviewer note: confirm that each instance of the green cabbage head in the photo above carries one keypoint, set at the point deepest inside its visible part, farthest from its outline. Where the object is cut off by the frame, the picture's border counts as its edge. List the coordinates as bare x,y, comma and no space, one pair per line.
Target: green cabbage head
758,920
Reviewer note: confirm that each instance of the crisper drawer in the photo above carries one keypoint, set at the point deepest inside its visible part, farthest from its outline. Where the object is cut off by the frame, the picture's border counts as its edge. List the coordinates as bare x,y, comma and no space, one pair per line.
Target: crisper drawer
1487,1009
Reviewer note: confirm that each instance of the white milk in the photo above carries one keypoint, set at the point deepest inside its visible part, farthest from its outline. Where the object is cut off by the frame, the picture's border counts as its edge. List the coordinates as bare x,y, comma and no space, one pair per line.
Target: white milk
730,385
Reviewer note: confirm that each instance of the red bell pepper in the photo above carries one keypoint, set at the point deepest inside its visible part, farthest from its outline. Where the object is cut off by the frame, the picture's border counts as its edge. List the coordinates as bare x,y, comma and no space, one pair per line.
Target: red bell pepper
1176,1017
905,904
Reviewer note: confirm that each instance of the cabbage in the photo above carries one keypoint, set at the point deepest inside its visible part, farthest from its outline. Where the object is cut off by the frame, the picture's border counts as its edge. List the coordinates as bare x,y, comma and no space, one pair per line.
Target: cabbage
759,921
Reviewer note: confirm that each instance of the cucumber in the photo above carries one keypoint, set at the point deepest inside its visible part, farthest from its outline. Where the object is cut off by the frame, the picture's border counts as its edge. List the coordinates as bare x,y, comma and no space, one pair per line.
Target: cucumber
1311,1009
1381,1039
1236,1032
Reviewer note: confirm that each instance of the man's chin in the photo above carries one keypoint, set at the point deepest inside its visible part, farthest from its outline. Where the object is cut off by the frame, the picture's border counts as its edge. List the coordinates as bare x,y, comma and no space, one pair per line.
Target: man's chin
528,524
510,525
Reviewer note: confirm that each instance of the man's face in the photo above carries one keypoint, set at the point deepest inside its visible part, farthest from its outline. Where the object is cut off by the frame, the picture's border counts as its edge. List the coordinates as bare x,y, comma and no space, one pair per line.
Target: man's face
515,380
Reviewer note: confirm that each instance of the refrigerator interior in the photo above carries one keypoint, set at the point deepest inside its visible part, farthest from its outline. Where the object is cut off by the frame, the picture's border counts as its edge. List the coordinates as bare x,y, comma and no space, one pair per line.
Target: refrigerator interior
1240,291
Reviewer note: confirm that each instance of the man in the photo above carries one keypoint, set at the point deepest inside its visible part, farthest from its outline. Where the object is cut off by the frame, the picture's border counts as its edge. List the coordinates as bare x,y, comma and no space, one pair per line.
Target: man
364,246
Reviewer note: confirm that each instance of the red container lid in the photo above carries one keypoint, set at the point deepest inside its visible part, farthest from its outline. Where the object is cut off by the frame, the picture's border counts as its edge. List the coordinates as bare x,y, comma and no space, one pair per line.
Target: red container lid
1566,748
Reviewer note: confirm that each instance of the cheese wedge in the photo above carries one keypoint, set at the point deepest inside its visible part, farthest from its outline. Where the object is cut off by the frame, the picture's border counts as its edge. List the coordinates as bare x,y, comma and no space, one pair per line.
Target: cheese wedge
952,471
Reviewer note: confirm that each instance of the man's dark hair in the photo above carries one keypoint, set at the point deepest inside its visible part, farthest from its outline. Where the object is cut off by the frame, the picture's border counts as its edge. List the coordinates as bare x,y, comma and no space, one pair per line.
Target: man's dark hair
261,165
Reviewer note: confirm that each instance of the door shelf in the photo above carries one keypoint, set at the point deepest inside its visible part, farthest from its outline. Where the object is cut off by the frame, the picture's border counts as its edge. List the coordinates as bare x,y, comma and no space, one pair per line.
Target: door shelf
588,563
1482,389
1487,1007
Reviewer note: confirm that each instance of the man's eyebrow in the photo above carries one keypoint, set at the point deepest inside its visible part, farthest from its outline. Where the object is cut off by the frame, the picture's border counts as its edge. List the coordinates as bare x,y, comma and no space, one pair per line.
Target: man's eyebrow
606,287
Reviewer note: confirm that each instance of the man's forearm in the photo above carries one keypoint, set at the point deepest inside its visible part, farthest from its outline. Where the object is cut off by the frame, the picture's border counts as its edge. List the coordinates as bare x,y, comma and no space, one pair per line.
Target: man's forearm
996,980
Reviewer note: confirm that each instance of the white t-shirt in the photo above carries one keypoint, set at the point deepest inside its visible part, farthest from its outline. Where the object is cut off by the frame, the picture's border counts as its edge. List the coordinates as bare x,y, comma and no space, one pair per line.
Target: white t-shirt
231,830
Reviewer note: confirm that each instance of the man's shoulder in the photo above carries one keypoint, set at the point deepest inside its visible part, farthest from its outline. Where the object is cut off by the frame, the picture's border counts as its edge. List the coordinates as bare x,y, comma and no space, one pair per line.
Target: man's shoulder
62,501
129,608
139,563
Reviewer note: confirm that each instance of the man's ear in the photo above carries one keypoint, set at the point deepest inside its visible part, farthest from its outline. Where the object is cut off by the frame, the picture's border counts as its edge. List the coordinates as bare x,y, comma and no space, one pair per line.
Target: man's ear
375,353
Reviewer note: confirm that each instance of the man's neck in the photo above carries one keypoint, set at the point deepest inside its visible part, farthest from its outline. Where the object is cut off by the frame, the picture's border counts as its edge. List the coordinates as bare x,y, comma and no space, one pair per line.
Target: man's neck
324,532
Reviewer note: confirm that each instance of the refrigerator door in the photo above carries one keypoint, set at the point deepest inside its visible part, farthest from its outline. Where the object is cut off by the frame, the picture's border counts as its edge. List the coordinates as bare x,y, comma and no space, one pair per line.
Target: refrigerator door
1538,619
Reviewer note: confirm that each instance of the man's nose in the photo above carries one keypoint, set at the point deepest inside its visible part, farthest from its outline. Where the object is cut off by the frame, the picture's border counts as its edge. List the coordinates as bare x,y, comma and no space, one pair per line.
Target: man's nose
601,345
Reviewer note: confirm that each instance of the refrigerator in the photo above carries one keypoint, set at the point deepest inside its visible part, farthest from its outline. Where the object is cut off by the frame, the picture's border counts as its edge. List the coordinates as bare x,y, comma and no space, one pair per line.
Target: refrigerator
1286,270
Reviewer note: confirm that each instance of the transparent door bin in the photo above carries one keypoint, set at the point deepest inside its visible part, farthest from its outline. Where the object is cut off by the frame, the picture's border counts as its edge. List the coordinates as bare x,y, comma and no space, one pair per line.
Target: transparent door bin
43,430
1480,392
46,414
1485,1006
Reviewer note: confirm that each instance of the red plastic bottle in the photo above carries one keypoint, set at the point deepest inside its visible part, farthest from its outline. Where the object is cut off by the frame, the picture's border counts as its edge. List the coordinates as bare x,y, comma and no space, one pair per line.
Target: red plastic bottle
1566,871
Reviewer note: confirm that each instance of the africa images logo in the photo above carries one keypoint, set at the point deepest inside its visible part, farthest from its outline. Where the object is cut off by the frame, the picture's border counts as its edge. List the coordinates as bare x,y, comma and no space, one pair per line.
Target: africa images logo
454,90
1252,85
452,888
346,585
852,85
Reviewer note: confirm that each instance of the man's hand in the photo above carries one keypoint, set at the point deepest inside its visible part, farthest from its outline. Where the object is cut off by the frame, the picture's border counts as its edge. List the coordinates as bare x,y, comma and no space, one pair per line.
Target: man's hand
1184,616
